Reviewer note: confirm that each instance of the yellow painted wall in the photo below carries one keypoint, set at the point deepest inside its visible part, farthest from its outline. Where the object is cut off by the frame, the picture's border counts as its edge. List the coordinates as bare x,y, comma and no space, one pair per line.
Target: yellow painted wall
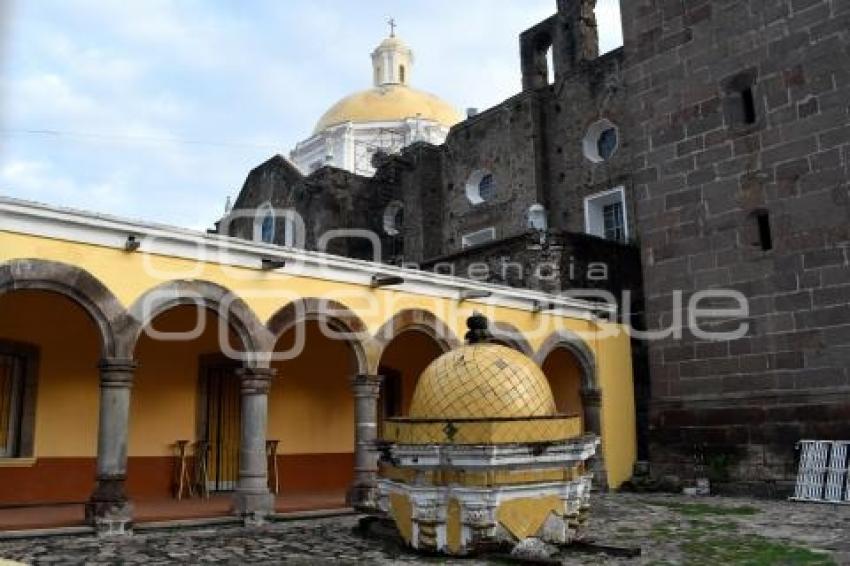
311,406
128,276
68,381
619,436
165,391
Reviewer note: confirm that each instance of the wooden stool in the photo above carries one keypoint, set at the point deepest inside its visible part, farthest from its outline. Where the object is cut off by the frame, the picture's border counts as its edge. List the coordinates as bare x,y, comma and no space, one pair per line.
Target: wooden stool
202,477
271,454
184,482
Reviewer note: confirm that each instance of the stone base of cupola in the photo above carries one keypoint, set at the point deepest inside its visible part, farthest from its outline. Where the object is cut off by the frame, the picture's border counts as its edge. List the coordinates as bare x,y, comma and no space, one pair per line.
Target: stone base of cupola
498,495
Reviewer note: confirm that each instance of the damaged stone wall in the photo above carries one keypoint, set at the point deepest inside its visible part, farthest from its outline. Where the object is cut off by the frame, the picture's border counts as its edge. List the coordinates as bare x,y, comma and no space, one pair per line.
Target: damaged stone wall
503,141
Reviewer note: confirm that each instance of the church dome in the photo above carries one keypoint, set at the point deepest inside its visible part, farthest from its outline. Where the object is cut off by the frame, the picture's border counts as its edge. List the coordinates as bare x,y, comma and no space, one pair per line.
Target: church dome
482,381
391,99
389,103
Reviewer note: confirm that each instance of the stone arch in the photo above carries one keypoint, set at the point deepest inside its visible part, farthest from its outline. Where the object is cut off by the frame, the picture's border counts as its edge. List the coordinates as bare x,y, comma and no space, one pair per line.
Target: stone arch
571,342
414,319
224,302
338,317
76,284
508,334
591,394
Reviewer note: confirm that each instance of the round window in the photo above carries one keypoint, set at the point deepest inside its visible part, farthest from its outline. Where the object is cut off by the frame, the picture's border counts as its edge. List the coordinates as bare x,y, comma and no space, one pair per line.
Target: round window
601,141
480,187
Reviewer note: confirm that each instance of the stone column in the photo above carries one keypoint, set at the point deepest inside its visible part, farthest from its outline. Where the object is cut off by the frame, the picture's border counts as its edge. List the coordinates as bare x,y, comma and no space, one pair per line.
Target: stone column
252,500
108,508
362,494
592,402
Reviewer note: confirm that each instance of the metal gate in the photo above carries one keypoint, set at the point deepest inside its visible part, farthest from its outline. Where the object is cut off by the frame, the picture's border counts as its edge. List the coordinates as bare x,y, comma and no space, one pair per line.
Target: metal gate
11,404
222,418
824,473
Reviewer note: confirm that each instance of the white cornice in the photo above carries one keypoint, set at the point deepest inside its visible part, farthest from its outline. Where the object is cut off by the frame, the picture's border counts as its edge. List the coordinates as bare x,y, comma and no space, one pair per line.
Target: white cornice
108,231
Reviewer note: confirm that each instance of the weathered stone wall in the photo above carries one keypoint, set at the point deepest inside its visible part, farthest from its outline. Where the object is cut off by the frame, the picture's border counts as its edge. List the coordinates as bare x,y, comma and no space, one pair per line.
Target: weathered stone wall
422,192
591,92
504,141
705,167
328,199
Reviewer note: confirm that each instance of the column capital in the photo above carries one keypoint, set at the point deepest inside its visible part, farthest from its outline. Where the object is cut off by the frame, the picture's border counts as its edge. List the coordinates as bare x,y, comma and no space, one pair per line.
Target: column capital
591,397
255,380
367,385
117,372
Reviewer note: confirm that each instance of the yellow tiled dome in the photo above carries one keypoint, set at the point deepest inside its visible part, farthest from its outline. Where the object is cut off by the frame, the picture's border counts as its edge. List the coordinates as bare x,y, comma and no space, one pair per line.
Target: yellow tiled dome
482,381
389,103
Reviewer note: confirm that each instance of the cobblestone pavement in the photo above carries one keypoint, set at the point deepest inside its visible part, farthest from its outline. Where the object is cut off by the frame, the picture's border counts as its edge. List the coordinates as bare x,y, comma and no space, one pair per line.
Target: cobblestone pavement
668,529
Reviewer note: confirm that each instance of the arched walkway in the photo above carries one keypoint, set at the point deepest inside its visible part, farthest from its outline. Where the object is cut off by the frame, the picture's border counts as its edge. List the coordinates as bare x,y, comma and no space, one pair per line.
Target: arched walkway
185,388
49,396
402,361
71,282
570,367
415,319
230,311
321,347
572,343
212,339
61,325
336,322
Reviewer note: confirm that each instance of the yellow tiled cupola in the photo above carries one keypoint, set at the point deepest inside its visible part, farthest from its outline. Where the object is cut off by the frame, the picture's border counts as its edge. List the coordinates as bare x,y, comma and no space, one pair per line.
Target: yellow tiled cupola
482,381
484,456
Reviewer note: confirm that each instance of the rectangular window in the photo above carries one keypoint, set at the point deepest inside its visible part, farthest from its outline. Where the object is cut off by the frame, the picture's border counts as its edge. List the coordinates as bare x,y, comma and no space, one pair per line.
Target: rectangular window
765,236
479,237
748,103
11,405
612,219
605,215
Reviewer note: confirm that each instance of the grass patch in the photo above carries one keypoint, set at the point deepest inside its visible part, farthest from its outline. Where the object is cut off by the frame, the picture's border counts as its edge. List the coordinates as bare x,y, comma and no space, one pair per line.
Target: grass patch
709,526
703,509
751,551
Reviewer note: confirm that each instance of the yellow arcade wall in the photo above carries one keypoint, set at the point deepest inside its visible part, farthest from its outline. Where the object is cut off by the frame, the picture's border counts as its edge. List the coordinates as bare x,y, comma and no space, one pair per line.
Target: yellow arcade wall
129,276
311,413
67,400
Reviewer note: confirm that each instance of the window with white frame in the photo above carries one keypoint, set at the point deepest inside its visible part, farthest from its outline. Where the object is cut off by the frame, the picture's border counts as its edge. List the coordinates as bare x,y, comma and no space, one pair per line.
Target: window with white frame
264,224
480,187
479,237
605,215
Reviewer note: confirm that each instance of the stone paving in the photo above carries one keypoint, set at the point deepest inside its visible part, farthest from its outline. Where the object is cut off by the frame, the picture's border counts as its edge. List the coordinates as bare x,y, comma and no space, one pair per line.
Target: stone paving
669,530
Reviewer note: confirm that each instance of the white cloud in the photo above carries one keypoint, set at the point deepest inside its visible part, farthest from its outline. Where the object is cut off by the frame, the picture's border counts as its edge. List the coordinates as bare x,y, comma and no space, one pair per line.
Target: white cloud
39,181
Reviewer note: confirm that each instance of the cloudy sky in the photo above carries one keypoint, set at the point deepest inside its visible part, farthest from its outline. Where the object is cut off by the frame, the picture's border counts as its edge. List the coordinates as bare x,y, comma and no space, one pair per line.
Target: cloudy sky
157,109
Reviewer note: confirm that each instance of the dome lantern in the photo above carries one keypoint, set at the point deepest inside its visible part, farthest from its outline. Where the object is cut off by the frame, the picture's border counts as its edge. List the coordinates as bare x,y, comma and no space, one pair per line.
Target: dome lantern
391,61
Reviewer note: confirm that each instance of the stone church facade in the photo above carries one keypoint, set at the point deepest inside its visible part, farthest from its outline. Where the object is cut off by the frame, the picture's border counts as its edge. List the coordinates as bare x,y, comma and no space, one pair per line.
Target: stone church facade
711,151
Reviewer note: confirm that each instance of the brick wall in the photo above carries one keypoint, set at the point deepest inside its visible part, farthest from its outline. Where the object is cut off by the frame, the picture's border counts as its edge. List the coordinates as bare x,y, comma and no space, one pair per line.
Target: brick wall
708,163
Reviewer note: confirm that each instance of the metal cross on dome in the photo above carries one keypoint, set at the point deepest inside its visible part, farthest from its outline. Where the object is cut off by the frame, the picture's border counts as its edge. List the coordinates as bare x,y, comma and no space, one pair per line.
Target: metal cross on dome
392,25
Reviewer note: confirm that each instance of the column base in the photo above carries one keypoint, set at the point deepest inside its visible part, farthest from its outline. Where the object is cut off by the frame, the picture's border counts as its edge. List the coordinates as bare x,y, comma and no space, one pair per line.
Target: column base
108,509
253,508
363,498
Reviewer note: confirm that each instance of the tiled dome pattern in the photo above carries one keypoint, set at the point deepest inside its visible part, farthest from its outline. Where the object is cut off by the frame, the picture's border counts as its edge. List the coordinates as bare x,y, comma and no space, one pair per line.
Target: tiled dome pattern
482,381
